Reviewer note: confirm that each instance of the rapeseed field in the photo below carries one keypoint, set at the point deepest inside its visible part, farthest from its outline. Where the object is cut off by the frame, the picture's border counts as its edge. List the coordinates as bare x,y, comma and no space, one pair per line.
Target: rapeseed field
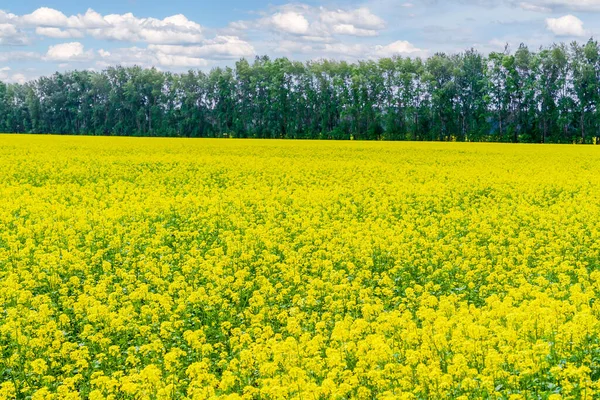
198,269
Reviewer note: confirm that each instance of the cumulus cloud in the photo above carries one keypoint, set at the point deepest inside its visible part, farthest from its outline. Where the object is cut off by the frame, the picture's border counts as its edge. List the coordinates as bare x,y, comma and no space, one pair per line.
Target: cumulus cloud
174,41
222,47
10,34
315,24
49,17
6,75
6,17
73,51
323,32
400,47
169,60
178,56
290,22
128,56
146,58
57,33
177,41
118,27
45,16
127,27
569,25
360,18
228,47
348,29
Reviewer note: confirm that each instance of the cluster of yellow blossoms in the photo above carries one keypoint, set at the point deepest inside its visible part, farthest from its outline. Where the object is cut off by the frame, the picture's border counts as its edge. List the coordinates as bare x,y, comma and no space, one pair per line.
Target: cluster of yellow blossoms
197,269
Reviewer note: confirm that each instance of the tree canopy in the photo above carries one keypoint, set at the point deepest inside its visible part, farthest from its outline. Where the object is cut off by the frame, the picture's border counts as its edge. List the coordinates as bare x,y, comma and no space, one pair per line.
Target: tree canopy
549,95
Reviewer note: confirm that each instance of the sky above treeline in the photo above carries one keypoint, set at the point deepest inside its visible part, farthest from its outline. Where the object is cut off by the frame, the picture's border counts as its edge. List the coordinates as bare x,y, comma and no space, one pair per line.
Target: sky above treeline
39,37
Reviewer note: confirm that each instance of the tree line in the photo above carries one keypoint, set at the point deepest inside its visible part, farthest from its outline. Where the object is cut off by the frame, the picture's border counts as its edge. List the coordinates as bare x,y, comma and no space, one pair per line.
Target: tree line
551,95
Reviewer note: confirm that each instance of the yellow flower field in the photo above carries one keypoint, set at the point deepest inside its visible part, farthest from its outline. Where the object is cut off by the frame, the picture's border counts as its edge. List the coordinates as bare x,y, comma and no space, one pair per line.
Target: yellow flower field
181,268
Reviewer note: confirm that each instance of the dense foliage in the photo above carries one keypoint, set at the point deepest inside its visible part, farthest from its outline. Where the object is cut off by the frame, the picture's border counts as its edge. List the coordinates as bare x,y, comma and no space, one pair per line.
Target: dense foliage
170,269
552,95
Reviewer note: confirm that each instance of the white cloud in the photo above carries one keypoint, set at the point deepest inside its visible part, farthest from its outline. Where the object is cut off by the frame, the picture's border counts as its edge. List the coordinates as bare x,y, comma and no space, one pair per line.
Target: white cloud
347,29
49,17
400,47
8,30
91,19
534,7
177,56
306,23
7,17
174,41
222,47
569,25
127,27
72,51
147,58
7,76
228,46
18,78
45,16
290,22
57,33
128,56
10,34
360,18
120,27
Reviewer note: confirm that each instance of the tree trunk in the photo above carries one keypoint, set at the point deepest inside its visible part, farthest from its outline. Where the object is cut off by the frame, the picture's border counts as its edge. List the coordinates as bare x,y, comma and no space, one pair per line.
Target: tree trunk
582,119
416,131
500,118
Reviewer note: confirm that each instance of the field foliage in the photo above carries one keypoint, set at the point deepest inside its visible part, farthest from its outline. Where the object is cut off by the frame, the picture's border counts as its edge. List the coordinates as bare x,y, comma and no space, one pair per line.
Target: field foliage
165,268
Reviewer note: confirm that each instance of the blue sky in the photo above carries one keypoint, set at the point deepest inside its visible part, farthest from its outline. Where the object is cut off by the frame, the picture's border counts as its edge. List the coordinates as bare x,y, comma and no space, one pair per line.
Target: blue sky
39,37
